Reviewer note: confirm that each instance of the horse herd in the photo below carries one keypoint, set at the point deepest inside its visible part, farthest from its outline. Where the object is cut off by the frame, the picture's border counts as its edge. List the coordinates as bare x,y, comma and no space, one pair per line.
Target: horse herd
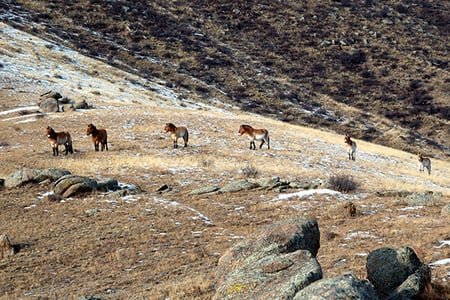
100,140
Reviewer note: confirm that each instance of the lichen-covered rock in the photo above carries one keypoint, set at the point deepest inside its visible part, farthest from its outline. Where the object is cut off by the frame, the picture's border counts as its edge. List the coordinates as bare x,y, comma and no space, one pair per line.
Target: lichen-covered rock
273,263
388,268
345,287
26,175
205,190
49,106
70,185
238,185
445,211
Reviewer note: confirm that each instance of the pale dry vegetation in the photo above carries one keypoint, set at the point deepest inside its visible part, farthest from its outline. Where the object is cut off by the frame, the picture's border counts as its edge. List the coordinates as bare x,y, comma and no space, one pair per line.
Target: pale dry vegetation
166,245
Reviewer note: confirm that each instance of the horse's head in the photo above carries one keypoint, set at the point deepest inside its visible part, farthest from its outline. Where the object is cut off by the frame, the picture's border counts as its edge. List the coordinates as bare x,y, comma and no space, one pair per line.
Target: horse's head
244,129
420,156
49,131
170,127
347,139
90,129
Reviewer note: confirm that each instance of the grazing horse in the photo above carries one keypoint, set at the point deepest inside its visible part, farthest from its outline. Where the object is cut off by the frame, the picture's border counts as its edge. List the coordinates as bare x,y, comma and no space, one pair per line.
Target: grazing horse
351,147
59,138
424,163
99,136
177,132
255,135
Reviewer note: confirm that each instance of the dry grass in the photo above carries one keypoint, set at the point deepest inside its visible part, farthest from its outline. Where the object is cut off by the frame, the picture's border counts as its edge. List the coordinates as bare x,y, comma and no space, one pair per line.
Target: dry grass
159,246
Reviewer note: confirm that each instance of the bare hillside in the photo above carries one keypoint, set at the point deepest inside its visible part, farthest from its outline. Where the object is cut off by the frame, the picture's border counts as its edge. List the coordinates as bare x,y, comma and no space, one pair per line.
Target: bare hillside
165,243
377,70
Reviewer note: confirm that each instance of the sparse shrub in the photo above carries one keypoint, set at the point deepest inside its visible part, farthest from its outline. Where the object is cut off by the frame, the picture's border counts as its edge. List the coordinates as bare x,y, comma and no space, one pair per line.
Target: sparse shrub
250,171
343,183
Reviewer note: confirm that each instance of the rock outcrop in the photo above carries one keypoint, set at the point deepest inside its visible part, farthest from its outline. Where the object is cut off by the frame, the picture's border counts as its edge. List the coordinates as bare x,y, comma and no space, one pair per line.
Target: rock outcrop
279,262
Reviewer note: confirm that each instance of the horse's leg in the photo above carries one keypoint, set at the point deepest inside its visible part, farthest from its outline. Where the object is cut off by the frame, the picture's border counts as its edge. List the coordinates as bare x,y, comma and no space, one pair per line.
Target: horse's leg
252,145
185,141
268,142
262,143
55,151
175,143
96,146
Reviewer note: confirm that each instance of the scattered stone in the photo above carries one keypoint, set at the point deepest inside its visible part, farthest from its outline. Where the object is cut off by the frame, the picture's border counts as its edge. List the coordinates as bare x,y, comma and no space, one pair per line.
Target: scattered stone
53,197
108,184
273,263
401,193
49,106
424,198
205,190
163,188
345,287
26,175
445,211
70,185
388,268
92,211
238,185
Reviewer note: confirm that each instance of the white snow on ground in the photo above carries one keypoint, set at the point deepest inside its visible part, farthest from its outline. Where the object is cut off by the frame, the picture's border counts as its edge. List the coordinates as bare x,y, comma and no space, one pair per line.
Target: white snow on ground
306,193
71,74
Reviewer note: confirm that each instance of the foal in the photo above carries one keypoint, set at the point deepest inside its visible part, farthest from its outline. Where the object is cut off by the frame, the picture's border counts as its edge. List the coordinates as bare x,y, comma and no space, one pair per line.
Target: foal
177,132
255,135
424,163
351,147
59,138
99,136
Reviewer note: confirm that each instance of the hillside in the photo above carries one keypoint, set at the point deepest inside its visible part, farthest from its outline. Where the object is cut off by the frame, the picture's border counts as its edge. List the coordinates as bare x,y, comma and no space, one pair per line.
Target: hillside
378,71
165,243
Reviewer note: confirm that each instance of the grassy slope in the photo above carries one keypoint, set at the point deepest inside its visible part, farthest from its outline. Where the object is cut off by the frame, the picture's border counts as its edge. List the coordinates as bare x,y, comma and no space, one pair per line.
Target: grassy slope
145,246
387,84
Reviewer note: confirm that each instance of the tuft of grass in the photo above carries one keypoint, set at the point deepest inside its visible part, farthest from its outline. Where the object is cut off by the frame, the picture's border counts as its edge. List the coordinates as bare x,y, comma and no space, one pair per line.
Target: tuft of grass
343,183
250,171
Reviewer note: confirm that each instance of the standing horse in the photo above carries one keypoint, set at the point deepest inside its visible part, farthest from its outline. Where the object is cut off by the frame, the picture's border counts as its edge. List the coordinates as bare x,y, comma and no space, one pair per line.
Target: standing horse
424,163
255,135
59,138
177,132
351,147
99,136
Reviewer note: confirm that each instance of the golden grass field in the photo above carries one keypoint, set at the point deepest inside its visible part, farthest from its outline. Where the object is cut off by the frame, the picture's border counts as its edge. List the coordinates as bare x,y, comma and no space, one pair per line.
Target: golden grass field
166,245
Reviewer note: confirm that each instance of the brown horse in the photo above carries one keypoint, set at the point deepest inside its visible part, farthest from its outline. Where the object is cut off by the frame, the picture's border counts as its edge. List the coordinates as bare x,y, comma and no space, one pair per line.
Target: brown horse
424,163
255,135
177,132
99,136
351,147
59,138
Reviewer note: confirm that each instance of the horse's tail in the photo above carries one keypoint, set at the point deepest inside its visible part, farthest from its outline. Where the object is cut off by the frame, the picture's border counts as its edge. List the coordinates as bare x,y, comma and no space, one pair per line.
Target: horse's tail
69,143
186,140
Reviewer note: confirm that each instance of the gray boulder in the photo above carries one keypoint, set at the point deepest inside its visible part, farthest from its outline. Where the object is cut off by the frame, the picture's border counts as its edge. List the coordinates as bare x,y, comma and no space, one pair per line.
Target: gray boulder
26,175
238,185
389,270
445,211
345,287
273,263
49,106
71,185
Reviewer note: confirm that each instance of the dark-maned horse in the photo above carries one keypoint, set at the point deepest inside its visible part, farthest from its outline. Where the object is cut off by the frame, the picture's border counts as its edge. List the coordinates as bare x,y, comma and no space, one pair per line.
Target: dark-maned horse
424,163
59,138
177,132
351,147
255,135
99,136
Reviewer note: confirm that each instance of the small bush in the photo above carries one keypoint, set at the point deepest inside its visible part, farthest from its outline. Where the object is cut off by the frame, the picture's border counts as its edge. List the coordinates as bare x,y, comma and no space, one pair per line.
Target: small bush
250,171
343,183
